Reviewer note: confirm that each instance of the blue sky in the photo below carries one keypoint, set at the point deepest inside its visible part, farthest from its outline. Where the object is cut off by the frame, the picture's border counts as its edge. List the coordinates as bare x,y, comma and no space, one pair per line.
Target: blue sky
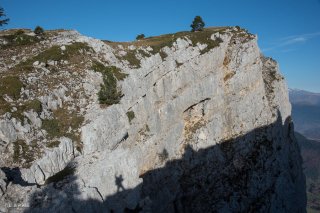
288,30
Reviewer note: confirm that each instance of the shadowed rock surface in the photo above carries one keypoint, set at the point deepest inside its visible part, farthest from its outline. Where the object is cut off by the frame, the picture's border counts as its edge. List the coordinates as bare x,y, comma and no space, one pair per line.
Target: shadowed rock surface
234,176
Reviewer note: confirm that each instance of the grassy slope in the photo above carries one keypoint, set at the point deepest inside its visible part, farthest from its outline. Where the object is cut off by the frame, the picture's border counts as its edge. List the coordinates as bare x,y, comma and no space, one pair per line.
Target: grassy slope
157,43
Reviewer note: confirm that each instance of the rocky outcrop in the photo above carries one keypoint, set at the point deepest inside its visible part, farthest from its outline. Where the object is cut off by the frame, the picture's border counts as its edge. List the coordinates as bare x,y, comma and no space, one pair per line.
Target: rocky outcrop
53,162
203,125
7,132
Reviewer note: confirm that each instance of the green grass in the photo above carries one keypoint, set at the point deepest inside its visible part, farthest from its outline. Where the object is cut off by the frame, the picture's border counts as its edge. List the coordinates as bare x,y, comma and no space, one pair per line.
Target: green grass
157,43
76,48
18,115
67,120
11,86
19,39
144,53
23,153
130,115
109,93
60,124
131,58
55,53
4,106
34,105
202,37
52,127
104,70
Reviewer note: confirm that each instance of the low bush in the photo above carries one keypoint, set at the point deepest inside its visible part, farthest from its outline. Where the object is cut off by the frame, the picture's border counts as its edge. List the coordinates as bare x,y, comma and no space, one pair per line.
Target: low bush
38,30
109,93
130,116
140,36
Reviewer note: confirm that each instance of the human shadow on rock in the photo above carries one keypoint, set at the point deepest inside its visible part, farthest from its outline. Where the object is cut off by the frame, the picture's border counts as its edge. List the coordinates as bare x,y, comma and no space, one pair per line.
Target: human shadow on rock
14,175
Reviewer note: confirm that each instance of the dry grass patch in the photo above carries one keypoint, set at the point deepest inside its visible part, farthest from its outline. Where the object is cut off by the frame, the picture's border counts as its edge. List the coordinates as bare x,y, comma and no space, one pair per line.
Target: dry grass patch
73,53
11,86
229,76
25,154
62,122
18,38
53,144
167,40
191,128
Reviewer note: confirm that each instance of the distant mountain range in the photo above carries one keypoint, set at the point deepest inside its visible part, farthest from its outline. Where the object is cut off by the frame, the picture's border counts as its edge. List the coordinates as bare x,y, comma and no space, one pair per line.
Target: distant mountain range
306,117
304,97
306,113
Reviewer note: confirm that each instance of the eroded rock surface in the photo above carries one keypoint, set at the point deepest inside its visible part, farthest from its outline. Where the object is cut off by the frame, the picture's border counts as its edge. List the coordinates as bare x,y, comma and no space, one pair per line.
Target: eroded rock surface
202,123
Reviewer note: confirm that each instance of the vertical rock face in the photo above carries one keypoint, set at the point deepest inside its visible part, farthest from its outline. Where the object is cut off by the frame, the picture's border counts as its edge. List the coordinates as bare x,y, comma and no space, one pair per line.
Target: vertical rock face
203,125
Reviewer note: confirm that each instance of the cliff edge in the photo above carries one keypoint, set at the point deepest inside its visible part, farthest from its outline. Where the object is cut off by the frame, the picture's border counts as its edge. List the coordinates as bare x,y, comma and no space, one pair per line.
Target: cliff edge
185,122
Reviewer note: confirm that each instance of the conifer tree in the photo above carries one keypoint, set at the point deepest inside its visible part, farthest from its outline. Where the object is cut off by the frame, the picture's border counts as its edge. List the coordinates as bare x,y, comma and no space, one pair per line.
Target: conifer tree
38,30
2,14
197,24
140,36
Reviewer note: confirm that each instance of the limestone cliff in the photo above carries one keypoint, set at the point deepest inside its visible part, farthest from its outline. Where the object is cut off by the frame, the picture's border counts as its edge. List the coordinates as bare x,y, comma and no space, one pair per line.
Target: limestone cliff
186,122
